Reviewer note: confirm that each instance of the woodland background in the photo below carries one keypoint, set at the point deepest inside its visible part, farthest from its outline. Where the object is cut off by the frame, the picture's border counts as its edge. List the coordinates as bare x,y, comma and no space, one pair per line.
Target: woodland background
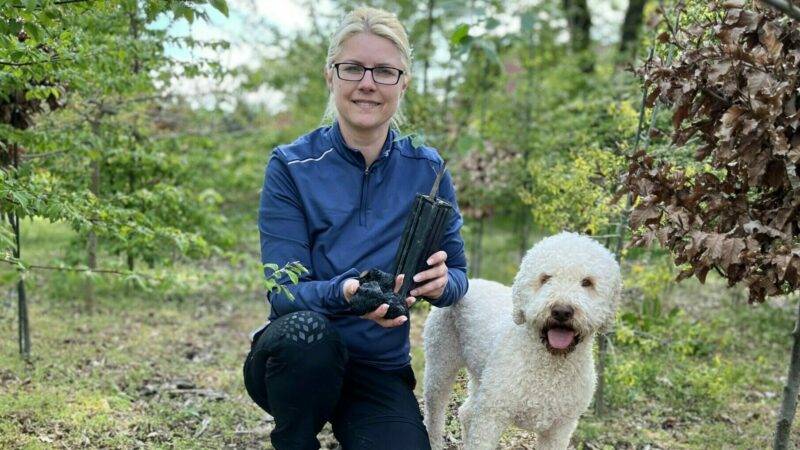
132,156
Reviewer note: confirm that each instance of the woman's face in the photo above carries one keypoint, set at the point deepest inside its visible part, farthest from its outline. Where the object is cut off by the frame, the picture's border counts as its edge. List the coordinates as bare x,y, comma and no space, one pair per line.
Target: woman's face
366,106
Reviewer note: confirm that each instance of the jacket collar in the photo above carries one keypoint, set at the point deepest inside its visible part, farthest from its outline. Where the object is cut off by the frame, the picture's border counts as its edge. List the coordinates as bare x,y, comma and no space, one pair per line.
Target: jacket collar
354,156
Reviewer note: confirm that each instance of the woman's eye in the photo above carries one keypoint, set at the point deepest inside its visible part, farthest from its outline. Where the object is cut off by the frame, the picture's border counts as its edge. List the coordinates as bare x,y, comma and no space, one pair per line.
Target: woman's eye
353,69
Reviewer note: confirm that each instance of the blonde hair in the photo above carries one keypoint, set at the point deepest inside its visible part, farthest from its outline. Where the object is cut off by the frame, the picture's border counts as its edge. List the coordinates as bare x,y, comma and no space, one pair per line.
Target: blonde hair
380,23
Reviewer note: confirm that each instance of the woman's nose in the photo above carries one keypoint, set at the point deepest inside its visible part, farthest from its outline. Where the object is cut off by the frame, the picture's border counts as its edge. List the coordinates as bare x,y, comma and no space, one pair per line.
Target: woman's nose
368,82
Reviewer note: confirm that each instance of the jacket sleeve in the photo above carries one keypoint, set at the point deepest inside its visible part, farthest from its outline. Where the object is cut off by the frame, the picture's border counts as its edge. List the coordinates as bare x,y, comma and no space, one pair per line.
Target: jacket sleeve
457,283
284,238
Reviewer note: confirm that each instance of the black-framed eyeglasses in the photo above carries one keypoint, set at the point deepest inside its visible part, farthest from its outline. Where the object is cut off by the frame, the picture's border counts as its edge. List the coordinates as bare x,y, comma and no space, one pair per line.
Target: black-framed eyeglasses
356,72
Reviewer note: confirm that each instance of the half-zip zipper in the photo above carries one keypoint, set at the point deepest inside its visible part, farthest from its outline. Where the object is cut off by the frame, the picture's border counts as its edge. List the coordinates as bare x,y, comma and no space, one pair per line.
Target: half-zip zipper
362,215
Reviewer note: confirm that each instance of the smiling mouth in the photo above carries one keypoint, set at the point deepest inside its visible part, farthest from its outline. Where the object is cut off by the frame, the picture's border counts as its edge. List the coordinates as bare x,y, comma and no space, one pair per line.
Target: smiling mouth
366,103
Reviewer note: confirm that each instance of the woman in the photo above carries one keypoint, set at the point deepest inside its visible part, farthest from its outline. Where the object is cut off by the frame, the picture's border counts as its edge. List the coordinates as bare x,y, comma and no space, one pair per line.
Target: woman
336,200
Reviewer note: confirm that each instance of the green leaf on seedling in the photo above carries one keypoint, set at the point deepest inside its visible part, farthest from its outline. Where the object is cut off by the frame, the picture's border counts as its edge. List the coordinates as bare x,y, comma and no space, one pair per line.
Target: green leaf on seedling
461,32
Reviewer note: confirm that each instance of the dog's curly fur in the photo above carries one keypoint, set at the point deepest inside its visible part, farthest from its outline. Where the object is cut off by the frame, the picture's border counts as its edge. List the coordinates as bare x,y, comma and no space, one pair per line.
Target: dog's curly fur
528,348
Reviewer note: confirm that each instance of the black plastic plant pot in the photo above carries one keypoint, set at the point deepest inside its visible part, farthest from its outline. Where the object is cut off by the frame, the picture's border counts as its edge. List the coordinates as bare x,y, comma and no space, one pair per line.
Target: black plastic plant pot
422,236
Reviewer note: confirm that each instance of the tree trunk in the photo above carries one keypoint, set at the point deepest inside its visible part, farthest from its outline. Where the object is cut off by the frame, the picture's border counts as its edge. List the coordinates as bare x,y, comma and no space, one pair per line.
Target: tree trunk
599,396
789,404
630,27
92,241
579,20
532,135
22,300
448,86
524,232
24,323
476,249
131,187
137,67
479,250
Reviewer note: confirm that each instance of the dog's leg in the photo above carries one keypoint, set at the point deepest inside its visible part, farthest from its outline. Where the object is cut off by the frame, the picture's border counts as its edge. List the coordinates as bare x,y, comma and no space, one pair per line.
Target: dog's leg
480,430
464,410
557,437
438,384
442,362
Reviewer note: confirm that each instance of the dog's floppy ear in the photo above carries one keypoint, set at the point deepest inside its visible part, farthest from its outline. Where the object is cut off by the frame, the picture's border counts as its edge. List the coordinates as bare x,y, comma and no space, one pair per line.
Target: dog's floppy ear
518,316
522,282
517,303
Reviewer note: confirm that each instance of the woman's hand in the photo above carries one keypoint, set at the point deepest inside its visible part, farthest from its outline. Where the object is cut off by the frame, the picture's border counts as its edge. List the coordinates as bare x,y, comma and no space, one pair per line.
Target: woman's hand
434,280
351,286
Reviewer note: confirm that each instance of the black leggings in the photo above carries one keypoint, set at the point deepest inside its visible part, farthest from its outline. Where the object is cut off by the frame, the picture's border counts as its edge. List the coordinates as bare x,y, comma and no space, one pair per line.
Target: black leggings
298,371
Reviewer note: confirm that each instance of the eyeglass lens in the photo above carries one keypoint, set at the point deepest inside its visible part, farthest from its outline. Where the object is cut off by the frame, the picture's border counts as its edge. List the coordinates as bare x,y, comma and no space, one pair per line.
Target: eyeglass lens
356,72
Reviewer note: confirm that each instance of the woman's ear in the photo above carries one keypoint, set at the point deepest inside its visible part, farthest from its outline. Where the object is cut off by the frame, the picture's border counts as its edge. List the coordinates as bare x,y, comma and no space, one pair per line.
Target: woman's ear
329,78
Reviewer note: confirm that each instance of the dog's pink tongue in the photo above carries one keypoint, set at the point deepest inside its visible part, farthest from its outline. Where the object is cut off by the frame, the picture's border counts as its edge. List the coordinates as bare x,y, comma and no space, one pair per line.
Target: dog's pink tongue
560,338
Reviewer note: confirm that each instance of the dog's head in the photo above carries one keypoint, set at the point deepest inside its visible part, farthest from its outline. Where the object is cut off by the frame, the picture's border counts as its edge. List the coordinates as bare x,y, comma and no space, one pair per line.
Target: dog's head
567,288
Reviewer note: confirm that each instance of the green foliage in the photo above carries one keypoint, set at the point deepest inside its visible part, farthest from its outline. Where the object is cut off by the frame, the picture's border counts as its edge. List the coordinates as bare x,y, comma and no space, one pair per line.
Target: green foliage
576,154
676,365
653,278
573,194
97,59
682,360
292,270
525,133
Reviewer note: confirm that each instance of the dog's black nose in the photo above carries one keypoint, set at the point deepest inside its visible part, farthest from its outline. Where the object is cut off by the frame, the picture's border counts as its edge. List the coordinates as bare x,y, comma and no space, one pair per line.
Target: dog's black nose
562,313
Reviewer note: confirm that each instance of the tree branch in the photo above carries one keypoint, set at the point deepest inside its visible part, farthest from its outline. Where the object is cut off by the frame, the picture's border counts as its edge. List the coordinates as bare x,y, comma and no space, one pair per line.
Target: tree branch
42,155
34,63
58,2
15,262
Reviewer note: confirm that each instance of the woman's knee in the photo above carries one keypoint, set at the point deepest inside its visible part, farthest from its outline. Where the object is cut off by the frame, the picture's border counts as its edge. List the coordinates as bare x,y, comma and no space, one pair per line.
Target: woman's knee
293,349
305,327
310,344
302,341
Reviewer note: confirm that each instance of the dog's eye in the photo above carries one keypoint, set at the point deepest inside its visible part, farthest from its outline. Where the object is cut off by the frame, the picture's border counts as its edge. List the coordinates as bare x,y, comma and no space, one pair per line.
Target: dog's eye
544,278
587,282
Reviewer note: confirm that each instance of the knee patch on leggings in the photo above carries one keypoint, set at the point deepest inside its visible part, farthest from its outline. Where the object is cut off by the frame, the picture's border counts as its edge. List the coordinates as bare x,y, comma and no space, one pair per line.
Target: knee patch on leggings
295,339
304,327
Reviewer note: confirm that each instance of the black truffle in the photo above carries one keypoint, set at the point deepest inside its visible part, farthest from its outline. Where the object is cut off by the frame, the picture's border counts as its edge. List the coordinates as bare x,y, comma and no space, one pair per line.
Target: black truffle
376,288
385,280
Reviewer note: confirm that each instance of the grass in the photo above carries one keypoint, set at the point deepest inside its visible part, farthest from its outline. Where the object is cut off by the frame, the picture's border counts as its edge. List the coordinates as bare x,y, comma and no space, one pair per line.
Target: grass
696,369
154,375
708,377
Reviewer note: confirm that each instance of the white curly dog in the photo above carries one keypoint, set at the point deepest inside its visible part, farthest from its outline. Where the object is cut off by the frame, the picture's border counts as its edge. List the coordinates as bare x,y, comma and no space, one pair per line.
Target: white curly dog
528,348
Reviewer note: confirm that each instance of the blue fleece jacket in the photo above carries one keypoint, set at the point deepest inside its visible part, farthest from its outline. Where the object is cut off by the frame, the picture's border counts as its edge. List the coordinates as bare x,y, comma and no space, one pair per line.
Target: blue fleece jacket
321,206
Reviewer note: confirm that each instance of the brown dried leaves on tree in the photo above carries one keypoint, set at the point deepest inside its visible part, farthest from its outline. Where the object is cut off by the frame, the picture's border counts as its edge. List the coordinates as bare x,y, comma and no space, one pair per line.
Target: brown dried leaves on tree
736,88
